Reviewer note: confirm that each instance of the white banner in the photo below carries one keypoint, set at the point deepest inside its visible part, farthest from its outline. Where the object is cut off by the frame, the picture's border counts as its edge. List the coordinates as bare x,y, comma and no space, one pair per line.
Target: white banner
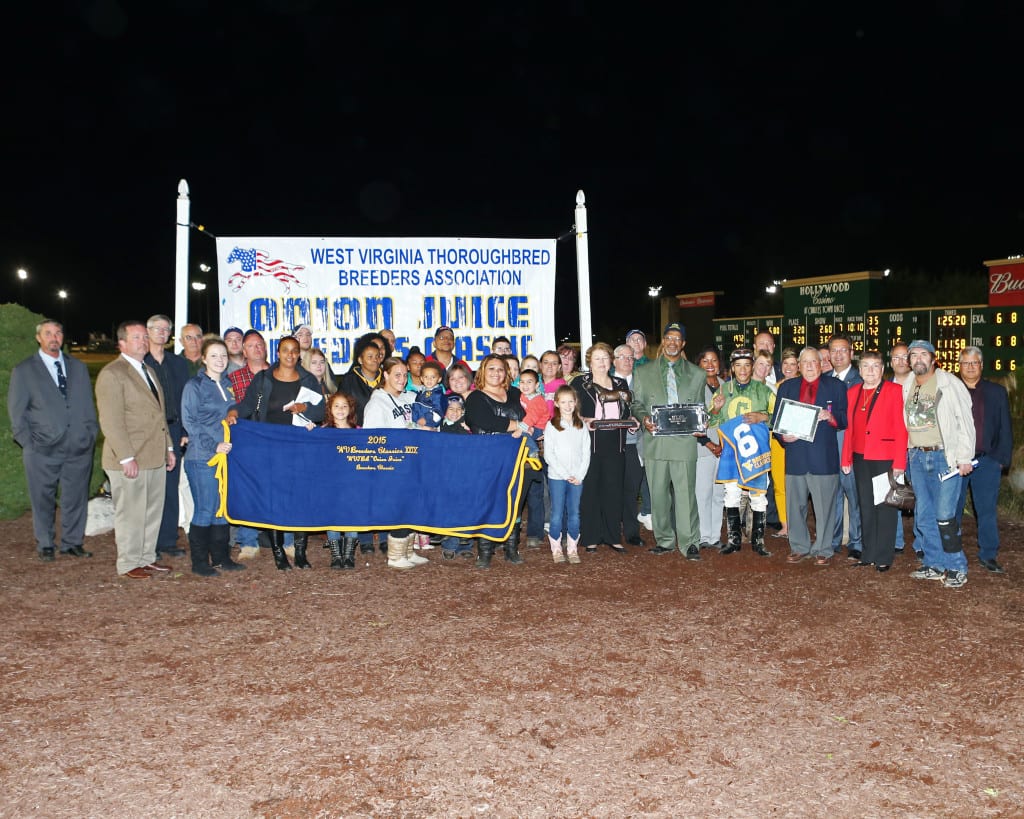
345,287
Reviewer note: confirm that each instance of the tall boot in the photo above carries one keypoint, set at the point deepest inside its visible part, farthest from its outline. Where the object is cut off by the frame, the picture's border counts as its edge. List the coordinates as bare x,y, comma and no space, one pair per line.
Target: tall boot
396,553
410,555
199,549
337,562
757,534
484,552
274,540
348,553
301,541
220,549
572,548
511,546
732,519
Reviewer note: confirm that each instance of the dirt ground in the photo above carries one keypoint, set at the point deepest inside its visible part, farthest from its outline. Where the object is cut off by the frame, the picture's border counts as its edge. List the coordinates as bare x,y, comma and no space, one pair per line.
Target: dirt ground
635,685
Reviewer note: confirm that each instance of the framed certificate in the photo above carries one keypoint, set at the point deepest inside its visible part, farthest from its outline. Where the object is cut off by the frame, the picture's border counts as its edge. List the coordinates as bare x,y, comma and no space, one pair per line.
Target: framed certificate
679,419
797,418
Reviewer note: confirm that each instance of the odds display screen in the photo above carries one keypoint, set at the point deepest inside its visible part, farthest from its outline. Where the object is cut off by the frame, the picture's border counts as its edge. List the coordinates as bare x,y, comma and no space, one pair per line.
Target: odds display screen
731,333
1005,346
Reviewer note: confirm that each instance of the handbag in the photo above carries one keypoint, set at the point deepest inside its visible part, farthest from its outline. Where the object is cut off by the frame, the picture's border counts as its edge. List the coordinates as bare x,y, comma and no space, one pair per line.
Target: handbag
900,495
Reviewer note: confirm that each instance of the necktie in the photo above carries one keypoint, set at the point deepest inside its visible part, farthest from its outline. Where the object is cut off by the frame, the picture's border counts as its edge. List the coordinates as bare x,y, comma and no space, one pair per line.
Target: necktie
670,384
62,382
152,386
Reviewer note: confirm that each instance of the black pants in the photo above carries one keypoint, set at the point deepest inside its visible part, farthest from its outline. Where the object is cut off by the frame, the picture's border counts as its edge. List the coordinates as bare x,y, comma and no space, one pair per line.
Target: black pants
601,504
878,523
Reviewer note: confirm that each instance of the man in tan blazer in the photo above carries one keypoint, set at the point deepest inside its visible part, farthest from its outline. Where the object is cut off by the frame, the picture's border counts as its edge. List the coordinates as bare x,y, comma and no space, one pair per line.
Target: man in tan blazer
137,451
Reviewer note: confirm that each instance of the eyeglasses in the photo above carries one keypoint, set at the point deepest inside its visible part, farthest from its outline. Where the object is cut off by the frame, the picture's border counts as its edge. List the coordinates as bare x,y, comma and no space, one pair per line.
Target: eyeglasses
970,363
898,357
158,329
840,350
624,355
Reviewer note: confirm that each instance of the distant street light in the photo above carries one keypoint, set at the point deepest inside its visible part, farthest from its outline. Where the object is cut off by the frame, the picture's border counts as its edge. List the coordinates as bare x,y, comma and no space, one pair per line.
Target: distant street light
22,276
63,296
654,291
200,287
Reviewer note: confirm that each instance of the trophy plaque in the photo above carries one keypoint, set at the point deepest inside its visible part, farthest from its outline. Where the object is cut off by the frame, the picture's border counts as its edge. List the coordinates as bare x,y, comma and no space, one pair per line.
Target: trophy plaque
679,419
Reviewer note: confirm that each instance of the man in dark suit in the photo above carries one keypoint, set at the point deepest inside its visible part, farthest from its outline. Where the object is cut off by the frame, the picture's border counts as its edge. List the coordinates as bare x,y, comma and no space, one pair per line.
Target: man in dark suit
670,460
53,420
172,372
137,451
993,451
812,467
840,349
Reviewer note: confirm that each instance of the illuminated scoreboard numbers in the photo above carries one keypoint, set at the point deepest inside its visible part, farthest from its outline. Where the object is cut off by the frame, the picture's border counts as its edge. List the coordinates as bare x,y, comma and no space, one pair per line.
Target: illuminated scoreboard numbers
823,330
795,334
854,327
1005,344
873,333
951,334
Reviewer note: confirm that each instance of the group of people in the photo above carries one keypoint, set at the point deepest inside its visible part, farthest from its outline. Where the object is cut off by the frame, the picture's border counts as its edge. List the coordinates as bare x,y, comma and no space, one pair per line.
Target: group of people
606,466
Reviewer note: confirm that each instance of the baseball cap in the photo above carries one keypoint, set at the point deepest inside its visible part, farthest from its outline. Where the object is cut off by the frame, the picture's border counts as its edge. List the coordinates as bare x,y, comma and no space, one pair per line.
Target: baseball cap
675,325
640,333
741,353
232,330
921,344
441,329
455,401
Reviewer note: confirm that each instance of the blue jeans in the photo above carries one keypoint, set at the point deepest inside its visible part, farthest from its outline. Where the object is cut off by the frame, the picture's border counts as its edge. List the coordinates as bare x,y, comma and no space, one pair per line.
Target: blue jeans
936,500
248,536
335,535
565,508
847,489
899,532
202,482
984,483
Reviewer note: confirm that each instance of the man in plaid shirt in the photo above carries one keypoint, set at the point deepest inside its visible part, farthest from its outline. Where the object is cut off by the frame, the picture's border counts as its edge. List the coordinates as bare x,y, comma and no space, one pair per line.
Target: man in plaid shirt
255,350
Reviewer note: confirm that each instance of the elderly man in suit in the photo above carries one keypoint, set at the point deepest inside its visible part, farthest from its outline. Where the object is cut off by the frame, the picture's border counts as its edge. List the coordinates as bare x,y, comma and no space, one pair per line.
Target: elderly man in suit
670,460
53,420
137,451
812,467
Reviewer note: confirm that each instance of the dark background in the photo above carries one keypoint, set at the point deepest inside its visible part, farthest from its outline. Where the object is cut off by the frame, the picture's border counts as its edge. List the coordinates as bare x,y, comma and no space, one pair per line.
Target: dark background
720,146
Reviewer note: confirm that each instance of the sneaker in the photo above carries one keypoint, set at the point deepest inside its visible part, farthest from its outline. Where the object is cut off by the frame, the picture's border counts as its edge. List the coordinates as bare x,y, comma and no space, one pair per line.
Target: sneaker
645,520
248,552
955,580
928,573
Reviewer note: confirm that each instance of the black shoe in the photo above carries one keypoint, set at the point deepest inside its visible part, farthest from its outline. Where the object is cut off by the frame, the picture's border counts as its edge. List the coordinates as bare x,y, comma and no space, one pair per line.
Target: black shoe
729,549
590,549
169,551
919,554
635,541
883,568
617,547
76,551
992,566
46,554
853,555
693,552
860,563
662,550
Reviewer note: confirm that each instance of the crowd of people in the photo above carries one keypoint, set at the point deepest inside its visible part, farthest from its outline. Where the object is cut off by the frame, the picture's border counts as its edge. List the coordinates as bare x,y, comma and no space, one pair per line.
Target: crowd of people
608,463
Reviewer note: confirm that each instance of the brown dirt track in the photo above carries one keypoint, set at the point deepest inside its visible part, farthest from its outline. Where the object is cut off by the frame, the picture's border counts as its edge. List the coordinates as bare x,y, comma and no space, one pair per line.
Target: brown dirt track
628,686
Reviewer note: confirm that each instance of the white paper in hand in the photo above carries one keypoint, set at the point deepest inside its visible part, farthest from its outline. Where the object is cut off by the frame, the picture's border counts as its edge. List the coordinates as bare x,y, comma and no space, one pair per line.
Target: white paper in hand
880,487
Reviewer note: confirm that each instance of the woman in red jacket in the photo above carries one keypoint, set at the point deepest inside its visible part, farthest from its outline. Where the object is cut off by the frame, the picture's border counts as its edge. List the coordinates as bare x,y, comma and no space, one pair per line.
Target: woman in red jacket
875,442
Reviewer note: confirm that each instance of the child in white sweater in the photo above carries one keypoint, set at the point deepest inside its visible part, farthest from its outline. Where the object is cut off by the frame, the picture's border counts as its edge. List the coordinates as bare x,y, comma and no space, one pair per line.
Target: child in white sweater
567,452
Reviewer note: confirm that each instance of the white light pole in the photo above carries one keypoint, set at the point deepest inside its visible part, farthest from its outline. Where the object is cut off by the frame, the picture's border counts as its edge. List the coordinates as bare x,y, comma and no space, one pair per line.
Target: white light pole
654,291
181,262
583,273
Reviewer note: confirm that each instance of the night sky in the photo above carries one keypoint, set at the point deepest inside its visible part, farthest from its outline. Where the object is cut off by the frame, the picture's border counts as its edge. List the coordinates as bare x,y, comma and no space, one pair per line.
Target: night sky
720,147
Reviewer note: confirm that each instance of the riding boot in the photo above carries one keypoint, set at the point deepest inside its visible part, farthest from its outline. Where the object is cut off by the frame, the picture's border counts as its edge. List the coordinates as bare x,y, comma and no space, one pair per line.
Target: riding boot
757,534
572,552
336,560
274,540
484,553
732,517
511,546
301,541
220,549
396,553
556,549
199,550
348,553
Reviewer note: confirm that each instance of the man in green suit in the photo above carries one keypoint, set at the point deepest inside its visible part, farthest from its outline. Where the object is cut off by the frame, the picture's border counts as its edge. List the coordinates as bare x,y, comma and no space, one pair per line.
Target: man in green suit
670,460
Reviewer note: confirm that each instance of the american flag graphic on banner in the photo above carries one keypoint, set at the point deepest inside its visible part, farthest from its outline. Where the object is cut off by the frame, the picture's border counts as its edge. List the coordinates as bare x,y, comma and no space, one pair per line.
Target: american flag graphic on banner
256,263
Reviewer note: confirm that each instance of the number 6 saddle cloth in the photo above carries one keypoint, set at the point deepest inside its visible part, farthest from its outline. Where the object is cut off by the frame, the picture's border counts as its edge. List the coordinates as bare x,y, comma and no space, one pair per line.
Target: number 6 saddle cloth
746,454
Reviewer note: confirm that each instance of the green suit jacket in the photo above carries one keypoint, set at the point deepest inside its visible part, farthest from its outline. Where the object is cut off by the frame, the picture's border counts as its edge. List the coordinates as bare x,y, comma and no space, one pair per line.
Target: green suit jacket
649,390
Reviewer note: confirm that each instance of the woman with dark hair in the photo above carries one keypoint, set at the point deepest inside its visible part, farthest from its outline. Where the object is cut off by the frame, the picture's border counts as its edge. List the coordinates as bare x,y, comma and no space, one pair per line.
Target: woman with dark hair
494,408
271,398
364,376
458,380
390,407
204,403
603,397
710,495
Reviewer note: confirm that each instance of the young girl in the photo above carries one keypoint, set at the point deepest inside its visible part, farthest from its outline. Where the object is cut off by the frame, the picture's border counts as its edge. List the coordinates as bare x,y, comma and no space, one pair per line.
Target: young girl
567,452
340,413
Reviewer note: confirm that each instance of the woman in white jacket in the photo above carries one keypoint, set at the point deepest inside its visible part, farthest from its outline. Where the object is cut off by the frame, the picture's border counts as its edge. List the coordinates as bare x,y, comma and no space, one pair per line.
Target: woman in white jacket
567,452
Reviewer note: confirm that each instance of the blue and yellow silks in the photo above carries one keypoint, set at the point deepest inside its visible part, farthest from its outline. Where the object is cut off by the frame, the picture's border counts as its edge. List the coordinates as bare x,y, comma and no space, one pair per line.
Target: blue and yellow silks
288,478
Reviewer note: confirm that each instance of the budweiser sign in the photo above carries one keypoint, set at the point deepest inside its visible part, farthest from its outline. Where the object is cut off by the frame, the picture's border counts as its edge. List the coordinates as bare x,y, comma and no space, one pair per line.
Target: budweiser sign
697,301
1006,285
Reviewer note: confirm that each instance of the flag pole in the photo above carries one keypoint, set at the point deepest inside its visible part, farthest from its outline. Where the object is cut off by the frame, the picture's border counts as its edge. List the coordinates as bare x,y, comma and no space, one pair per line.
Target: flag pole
181,264
583,274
